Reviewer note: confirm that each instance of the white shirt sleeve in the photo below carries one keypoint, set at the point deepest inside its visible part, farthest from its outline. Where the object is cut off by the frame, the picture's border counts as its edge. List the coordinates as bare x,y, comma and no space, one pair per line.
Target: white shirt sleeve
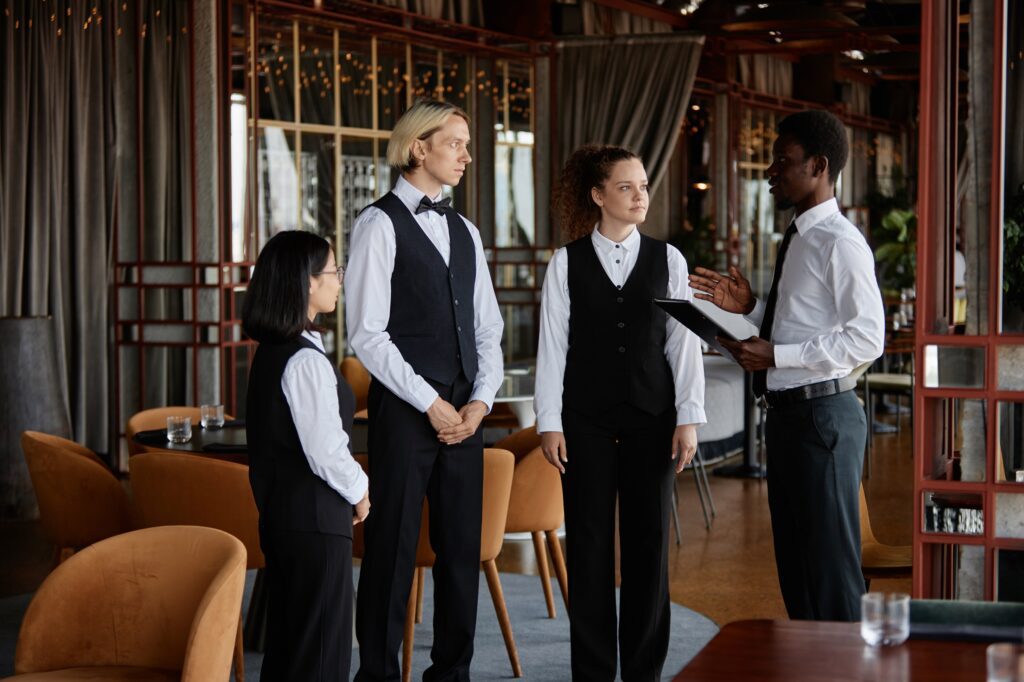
488,327
311,390
368,308
850,274
682,349
756,316
553,344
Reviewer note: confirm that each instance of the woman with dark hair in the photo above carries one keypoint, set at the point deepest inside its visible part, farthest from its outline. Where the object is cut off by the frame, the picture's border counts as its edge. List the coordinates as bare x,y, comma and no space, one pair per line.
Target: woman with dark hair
308,489
619,394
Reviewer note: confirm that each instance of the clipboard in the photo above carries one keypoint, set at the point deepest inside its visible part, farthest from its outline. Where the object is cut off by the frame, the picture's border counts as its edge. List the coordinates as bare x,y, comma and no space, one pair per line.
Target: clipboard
697,322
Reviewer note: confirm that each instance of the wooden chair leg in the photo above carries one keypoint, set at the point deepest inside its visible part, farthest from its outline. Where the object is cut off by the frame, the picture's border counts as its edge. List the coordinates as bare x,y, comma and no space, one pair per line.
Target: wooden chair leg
410,627
542,569
498,597
558,560
421,574
239,654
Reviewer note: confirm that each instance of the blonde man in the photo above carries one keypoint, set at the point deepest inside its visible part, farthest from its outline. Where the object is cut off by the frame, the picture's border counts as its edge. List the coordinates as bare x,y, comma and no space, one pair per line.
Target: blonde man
423,318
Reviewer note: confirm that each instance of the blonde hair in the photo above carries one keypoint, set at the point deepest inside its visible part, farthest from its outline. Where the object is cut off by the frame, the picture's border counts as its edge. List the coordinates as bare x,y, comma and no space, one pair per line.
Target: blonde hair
422,120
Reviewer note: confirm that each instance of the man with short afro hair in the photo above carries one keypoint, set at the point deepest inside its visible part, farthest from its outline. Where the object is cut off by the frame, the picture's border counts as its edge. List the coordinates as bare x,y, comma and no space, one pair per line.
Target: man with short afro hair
822,318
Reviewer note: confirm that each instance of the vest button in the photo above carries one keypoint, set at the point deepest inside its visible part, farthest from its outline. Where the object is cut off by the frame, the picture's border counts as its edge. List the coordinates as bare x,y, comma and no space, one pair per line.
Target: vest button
621,325
456,301
458,356
622,349
618,300
458,329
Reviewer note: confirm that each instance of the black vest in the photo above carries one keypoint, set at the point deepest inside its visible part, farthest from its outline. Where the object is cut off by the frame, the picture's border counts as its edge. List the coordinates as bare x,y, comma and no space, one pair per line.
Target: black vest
288,494
432,317
617,337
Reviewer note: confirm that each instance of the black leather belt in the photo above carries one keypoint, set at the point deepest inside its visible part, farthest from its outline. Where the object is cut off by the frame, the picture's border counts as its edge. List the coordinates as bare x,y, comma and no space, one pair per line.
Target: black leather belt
791,396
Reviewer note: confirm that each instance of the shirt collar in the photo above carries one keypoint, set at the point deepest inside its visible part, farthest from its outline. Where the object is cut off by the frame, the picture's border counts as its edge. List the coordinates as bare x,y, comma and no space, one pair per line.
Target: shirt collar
409,194
815,215
314,336
607,245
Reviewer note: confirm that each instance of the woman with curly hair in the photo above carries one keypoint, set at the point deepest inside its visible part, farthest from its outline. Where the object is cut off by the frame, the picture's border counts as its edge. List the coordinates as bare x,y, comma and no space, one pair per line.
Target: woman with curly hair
619,394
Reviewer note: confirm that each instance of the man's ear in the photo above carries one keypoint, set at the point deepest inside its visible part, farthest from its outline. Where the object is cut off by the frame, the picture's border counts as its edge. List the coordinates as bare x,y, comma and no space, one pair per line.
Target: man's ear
820,165
419,149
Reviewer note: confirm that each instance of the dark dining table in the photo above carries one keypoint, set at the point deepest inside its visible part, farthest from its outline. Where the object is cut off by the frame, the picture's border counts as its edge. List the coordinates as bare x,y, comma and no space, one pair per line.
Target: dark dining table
227,442
802,651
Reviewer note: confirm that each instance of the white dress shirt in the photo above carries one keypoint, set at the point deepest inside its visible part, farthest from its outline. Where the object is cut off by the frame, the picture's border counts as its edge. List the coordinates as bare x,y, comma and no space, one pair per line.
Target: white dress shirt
682,347
368,303
311,389
828,316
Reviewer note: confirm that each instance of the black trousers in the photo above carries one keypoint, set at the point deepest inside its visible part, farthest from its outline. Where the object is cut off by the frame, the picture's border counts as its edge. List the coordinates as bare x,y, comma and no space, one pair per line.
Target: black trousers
623,455
406,463
309,610
815,458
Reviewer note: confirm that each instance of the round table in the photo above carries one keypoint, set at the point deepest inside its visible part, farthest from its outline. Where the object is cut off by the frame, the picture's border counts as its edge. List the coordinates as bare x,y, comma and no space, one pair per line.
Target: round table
517,392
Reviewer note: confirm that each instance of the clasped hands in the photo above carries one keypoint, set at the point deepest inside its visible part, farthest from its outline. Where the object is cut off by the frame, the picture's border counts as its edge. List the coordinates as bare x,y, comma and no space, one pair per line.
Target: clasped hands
732,294
454,426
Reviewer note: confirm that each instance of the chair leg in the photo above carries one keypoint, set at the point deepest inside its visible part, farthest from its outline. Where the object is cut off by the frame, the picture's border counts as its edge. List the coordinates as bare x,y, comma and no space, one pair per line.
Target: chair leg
700,498
239,654
410,628
558,560
699,458
421,574
542,568
675,511
498,597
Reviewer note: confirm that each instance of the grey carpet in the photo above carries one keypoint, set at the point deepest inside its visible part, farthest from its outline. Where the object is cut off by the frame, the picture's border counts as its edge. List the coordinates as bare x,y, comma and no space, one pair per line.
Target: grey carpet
543,643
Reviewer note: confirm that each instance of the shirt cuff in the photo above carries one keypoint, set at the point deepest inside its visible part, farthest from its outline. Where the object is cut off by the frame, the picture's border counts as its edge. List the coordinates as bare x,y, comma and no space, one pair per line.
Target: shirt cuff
424,396
787,355
358,491
756,316
690,415
480,394
546,424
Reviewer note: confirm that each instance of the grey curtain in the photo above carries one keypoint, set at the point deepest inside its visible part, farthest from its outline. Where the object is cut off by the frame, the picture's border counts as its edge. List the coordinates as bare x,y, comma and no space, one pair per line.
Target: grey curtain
57,189
630,91
86,91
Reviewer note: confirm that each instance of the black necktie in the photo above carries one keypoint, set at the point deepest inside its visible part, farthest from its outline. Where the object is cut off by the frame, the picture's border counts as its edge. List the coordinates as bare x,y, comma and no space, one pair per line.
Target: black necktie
440,206
761,375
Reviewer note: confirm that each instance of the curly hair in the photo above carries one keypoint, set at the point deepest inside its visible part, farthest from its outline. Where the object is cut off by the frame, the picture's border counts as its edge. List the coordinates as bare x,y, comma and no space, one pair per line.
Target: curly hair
820,133
588,167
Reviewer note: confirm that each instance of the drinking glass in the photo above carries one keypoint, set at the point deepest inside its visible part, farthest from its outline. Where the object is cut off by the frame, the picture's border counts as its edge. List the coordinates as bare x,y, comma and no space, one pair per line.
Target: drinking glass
1005,662
179,429
885,618
211,416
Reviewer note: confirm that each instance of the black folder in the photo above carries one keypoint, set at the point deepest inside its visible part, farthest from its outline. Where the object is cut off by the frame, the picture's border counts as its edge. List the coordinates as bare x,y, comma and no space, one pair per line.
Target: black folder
697,322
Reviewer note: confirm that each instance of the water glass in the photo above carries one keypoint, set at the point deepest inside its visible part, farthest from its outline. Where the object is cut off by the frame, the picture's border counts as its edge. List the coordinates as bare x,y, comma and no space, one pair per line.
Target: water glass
211,416
885,618
179,429
1005,662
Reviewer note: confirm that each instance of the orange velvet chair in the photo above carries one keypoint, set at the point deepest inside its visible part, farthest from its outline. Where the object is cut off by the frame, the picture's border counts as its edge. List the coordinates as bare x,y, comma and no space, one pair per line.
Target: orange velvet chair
535,507
155,604
358,378
878,560
172,488
80,500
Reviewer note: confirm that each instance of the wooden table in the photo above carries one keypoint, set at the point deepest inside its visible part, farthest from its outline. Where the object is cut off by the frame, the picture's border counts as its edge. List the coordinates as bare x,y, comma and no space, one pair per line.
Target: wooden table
797,651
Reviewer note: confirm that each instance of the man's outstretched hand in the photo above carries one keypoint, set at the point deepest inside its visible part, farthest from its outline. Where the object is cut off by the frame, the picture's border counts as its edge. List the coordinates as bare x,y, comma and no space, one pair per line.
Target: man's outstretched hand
729,292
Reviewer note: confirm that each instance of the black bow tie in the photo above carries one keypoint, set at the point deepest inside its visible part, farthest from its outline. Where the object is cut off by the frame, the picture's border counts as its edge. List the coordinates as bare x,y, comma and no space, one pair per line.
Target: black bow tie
440,206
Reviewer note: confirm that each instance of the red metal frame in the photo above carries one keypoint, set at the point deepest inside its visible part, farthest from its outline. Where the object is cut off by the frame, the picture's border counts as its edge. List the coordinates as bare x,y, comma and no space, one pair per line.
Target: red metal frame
937,191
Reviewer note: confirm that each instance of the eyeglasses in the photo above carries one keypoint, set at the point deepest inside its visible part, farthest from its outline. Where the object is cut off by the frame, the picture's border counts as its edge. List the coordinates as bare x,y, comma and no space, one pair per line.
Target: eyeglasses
340,272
